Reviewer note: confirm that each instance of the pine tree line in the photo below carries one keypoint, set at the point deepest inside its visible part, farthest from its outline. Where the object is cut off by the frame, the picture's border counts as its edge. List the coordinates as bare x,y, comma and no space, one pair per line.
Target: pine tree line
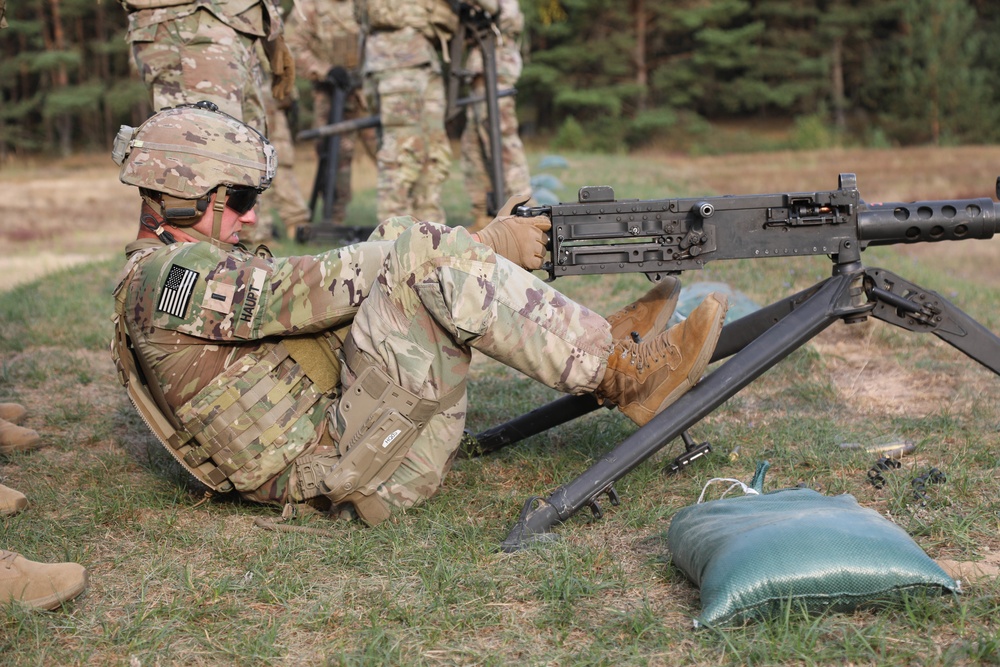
602,75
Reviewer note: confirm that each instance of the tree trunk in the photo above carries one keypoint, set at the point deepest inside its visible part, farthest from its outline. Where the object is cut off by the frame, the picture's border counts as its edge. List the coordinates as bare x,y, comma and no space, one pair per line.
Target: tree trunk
837,84
641,64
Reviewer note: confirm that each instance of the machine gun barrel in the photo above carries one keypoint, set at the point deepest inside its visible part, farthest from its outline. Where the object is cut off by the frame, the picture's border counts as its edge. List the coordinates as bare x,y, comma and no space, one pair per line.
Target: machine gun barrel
928,221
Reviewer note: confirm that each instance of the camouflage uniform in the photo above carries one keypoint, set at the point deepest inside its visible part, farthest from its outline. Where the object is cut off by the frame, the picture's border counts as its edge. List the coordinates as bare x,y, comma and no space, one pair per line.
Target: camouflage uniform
323,34
211,322
3,13
203,50
475,137
403,81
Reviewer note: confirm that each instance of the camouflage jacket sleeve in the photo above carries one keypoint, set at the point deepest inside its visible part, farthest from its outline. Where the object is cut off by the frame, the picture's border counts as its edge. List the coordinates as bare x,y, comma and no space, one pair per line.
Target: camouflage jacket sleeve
203,291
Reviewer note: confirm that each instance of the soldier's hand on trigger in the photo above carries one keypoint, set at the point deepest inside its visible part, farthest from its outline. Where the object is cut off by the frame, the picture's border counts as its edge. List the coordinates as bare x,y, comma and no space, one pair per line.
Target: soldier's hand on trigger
521,240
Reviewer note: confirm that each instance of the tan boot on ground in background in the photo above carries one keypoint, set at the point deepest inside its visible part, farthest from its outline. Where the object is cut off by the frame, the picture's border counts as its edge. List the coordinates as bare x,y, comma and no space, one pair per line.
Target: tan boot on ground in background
41,585
644,378
13,412
12,501
14,438
650,314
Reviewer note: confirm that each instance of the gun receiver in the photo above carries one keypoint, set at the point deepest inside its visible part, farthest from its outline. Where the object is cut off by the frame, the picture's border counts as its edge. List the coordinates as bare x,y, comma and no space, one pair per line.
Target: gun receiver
600,234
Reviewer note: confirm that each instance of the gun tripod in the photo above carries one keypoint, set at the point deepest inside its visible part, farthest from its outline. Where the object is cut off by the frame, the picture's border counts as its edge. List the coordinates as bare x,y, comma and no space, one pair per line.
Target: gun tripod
751,346
325,183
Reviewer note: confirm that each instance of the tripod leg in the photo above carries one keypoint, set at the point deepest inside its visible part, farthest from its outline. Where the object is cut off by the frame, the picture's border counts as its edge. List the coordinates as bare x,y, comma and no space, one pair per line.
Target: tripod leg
828,304
911,307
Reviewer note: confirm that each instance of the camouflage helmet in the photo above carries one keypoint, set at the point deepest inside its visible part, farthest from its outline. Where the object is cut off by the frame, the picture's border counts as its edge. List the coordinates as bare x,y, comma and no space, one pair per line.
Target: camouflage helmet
189,151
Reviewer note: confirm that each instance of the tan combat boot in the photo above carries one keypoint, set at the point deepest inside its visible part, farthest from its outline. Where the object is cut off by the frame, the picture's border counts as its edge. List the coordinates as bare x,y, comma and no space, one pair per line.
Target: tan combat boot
41,585
13,412
644,378
14,438
650,314
12,501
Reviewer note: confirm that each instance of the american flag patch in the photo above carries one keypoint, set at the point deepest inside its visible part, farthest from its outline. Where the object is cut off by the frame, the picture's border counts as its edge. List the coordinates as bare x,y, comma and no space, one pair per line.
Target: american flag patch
177,291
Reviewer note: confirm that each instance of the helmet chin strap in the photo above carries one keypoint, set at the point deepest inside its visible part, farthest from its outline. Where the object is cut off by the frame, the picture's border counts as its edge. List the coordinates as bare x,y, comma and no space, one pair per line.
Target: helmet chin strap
185,223
217,208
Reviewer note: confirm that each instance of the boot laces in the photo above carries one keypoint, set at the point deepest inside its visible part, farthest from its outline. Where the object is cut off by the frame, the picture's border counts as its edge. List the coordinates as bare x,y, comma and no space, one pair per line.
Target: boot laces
647,353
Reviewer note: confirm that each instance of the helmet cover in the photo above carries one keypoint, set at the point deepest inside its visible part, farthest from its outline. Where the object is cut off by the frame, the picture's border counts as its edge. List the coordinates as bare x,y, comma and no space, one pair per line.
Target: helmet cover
188,151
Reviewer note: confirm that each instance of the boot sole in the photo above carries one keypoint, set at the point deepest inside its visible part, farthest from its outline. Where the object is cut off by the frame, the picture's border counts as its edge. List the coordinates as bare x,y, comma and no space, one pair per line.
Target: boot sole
50,602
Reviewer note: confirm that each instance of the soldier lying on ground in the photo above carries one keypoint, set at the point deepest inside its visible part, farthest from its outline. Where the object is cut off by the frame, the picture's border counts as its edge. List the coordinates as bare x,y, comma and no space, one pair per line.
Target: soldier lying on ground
339,379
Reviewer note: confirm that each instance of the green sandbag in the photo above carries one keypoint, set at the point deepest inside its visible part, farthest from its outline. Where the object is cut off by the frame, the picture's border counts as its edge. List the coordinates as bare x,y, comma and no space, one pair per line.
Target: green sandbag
753,555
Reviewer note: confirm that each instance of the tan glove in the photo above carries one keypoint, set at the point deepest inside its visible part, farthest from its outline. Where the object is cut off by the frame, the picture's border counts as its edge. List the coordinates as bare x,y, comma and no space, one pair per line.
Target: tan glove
282,68
521,240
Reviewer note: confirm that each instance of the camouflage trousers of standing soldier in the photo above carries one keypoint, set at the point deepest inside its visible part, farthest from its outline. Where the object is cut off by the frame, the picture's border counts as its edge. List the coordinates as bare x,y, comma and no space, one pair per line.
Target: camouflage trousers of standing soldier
283,203
476,138
414,156
439,296
198,57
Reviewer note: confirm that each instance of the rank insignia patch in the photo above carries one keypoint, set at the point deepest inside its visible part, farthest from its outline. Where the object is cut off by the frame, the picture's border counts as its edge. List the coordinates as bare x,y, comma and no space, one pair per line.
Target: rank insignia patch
219,297
177,291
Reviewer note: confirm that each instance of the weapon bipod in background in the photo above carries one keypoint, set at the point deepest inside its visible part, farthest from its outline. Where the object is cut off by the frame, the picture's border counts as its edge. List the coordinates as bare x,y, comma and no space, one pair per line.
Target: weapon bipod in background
325,183
478,26
751,346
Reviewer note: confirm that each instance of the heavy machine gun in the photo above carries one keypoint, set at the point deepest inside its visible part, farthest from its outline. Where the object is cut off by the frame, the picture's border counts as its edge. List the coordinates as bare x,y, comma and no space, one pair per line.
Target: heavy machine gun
599,234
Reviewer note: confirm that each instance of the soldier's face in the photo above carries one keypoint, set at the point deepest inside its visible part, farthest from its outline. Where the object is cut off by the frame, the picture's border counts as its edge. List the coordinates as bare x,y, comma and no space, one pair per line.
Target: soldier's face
232,222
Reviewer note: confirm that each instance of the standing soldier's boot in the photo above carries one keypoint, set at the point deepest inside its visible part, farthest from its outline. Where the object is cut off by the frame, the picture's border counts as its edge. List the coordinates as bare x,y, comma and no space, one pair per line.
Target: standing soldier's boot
650,314
13,412
644,378
41,585
14,438
11,501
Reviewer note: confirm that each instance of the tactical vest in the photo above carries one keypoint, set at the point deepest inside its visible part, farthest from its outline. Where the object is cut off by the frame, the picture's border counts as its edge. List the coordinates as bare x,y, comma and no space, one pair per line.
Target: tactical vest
246,425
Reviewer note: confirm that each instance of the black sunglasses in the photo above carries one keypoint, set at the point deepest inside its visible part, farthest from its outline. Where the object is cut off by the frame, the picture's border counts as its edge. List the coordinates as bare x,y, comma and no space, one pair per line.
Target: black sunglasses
241,200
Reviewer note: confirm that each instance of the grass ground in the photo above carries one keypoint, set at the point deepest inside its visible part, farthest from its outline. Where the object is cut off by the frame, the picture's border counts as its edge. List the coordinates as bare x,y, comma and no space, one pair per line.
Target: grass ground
176,579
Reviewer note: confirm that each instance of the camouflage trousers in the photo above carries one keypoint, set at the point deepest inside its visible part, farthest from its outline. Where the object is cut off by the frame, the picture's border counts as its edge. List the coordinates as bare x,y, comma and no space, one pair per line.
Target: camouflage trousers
198,57
476,139
283,202
439,296
414,156
442,295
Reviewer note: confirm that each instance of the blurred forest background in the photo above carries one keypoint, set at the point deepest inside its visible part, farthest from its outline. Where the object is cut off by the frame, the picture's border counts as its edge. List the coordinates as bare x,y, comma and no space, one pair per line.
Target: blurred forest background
607,76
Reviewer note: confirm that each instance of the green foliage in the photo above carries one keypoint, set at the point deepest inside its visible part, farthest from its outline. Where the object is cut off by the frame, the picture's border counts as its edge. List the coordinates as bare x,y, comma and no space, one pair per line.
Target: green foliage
812,132
932,81
571,135
72,100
